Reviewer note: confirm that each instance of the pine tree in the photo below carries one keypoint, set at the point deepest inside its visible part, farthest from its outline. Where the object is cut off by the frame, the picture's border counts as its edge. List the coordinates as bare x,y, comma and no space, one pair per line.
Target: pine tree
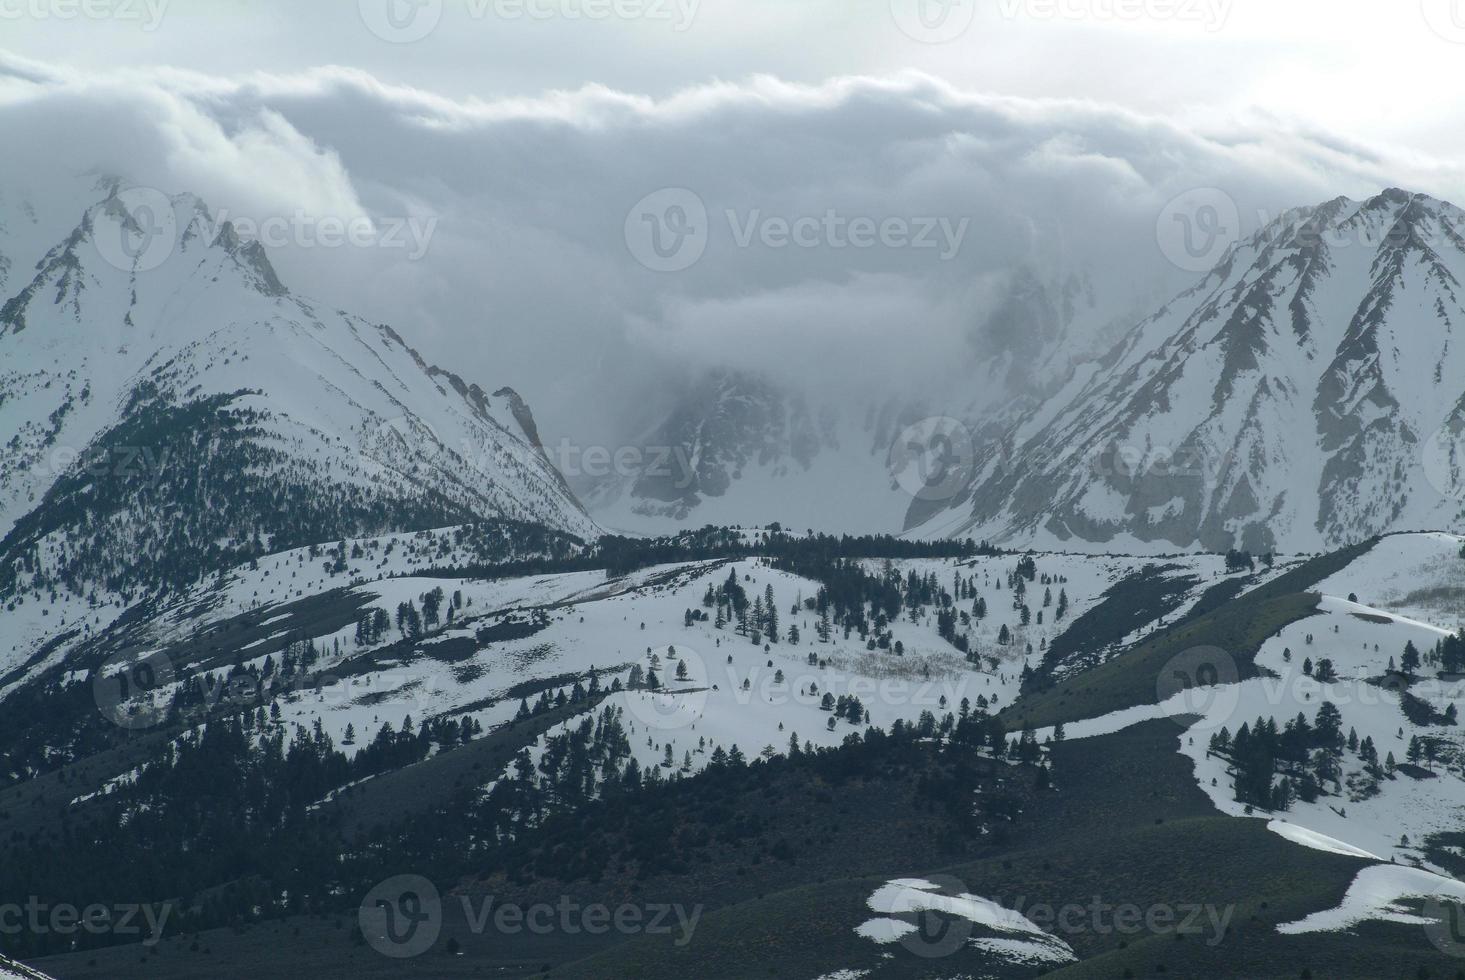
1409,663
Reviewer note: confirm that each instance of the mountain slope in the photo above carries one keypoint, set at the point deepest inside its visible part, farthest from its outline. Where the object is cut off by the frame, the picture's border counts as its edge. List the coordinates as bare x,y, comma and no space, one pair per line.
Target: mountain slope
1285,402
165,419
739,447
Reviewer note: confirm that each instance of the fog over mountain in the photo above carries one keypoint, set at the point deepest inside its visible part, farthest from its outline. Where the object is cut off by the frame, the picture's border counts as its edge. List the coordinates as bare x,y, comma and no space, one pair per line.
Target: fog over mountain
500,226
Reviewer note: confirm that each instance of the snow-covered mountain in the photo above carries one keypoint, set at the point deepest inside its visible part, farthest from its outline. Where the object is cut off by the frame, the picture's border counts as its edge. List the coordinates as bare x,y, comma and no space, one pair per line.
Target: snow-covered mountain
1306,394
742,448
164,413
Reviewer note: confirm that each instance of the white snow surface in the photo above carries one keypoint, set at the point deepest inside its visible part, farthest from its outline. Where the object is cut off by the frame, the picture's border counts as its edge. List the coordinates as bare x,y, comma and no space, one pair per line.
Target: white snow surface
1375,895
1024,942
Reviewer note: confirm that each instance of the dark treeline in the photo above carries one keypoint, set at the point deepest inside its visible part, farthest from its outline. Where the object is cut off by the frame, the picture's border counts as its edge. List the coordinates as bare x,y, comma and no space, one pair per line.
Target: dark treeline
619,555
626,831
226,825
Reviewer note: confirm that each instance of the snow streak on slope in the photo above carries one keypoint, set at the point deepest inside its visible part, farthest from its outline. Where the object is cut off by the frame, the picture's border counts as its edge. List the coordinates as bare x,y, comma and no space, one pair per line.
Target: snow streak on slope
11,970
734,692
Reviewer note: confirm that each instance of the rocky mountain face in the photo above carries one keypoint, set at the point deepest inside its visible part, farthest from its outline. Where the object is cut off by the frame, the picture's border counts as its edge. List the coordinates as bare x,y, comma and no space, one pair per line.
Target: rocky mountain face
170,409
1306,394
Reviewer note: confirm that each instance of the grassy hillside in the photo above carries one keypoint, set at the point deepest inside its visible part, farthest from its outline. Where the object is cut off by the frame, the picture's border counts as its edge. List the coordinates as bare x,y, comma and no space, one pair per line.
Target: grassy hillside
1132,678
1125,825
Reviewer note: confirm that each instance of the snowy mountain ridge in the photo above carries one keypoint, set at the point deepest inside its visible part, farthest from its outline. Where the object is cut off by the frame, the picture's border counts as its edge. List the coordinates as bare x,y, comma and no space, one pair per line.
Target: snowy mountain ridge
1306,394
170,417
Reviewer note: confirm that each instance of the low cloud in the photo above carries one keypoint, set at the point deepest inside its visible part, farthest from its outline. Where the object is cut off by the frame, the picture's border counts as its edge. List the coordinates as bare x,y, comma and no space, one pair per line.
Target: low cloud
531,279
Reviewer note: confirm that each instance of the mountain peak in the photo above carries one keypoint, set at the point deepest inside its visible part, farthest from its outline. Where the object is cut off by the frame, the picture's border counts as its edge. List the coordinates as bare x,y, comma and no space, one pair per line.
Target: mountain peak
1282,402
251,259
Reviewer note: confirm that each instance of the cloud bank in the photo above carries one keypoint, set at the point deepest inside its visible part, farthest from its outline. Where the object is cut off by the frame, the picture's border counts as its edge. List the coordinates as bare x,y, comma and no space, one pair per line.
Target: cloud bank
782,233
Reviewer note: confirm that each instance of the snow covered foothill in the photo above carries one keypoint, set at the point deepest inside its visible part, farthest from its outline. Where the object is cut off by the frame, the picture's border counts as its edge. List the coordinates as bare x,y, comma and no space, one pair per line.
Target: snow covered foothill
734,692
1387,818
1419,576
1360,641
737,693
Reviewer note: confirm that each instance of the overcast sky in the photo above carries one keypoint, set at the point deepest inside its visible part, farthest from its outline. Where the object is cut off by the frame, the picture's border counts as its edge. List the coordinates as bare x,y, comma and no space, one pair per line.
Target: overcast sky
549,156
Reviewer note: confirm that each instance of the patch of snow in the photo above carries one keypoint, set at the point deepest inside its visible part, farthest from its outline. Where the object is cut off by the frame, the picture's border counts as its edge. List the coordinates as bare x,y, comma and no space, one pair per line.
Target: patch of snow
1317,841
1375,895
884,930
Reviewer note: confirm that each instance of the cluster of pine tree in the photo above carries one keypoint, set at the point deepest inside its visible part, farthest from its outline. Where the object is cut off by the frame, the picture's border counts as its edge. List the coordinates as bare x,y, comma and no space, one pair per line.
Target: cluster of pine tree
237,793
1307,755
